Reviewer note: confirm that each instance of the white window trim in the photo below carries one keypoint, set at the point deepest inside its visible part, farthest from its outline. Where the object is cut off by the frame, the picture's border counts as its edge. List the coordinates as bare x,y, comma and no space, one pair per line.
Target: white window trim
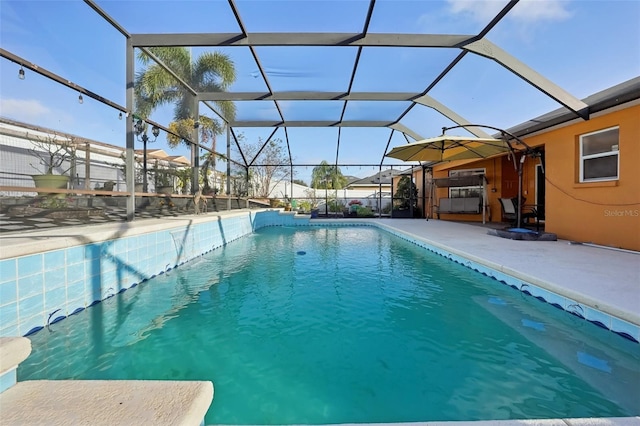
475,171
599,155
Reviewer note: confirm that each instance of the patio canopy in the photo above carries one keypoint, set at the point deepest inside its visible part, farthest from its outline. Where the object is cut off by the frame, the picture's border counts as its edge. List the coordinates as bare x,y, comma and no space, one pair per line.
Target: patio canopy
449,148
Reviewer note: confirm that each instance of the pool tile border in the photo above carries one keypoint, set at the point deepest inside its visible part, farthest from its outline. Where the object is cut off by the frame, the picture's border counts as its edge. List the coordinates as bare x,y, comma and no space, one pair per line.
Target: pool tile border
38,289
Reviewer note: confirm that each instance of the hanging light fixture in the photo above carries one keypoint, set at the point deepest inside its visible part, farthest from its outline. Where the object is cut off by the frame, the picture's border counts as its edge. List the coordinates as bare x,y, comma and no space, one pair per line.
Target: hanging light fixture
140,129
80,100
21,73
120,116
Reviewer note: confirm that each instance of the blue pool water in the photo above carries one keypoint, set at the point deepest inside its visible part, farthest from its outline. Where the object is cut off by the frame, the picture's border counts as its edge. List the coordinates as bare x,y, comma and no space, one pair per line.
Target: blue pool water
345,325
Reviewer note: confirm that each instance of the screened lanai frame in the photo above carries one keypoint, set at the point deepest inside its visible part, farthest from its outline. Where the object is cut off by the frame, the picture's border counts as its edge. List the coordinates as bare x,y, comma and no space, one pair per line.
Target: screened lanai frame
473,43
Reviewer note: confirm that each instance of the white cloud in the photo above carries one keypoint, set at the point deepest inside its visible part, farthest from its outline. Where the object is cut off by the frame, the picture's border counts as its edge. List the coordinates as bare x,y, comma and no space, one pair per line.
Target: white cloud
34,112
481,11
527,11
23,109
540,10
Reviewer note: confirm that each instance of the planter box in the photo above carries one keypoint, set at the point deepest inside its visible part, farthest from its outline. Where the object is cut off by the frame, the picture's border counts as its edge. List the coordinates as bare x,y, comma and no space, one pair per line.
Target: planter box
165,190
401,214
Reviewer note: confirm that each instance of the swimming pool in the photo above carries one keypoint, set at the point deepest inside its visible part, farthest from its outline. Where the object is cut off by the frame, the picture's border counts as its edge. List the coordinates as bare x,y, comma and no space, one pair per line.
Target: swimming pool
335,325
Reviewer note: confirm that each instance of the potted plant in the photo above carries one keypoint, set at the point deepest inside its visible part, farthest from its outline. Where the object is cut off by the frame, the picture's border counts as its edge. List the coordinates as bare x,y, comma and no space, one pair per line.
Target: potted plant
56,156
304,207
353,207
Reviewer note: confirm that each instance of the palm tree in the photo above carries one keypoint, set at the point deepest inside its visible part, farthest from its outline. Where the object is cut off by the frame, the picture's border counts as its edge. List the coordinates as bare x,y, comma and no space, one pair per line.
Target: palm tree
326,176
209,72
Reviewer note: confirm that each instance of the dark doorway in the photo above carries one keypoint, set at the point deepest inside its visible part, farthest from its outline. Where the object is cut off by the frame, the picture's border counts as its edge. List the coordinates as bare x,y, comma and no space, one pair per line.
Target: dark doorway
540,185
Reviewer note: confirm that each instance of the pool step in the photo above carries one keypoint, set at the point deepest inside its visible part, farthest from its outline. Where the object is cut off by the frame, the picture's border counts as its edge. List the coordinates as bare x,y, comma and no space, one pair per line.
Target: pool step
97,402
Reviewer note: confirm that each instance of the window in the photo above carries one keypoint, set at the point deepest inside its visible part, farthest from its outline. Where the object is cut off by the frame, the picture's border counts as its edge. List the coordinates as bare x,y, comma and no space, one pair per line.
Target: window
466,191
599,155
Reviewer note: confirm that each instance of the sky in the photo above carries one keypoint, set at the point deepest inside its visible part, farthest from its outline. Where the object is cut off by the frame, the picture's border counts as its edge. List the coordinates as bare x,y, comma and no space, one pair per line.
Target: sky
584,46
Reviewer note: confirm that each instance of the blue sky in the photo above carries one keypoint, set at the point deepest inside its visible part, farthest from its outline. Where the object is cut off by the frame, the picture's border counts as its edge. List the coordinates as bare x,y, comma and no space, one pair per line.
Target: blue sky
583,46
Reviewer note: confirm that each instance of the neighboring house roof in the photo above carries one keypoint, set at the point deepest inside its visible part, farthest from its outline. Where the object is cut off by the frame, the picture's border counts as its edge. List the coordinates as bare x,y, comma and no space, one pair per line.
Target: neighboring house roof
380,178
161,154
351,179
180,159
411,170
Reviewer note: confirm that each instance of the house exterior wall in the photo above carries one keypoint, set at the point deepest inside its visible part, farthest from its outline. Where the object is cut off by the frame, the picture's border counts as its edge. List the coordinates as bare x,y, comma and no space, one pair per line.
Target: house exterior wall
423,188
493,173
608,212
605,213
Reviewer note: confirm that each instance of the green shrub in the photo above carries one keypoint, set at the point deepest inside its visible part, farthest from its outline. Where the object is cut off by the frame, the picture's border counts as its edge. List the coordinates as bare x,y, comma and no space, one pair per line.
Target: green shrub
364,211
335,206
305,206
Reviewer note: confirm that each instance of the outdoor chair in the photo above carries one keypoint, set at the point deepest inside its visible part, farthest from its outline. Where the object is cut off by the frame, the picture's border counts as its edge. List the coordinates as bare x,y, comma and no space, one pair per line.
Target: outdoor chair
510,212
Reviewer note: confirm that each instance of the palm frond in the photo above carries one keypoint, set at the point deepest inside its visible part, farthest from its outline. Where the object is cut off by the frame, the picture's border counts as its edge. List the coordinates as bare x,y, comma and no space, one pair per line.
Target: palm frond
184,129
209,129
228,109
214,67
143,57
225,108
178,59
183,108
154,86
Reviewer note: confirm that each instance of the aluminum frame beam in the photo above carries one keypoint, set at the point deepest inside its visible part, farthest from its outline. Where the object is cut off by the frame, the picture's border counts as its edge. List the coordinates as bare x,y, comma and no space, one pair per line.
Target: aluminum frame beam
430,102
406,131
467,43
302,39
308,96
310,123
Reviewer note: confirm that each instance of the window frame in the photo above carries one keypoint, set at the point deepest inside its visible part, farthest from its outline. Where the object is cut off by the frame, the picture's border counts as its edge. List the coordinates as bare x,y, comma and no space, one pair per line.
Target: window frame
466,172
583,157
